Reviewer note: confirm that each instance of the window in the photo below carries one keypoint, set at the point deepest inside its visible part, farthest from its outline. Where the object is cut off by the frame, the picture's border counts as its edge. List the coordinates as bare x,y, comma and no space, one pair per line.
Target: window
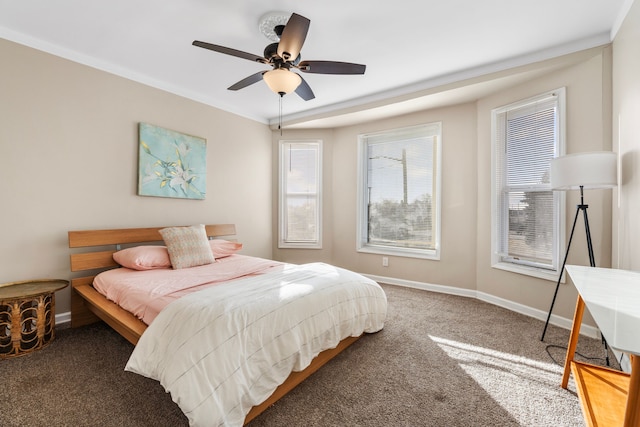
300,201
398,192
527,230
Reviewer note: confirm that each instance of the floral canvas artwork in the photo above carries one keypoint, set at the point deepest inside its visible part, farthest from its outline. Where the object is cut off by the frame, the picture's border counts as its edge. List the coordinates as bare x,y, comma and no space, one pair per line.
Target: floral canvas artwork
171,164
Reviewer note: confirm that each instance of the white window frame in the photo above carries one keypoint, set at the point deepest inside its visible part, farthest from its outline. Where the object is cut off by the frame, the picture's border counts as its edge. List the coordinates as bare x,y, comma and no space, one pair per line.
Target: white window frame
501,261
283,241
362,245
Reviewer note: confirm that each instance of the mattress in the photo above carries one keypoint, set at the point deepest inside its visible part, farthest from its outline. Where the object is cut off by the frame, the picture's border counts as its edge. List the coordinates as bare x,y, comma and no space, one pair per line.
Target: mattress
226,348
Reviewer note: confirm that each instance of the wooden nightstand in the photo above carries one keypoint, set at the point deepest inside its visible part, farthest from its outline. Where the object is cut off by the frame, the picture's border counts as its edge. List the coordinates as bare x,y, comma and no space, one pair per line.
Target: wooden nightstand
27,315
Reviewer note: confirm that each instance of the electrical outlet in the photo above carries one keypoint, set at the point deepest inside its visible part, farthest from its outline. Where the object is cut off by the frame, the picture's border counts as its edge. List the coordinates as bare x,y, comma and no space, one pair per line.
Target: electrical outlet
385,261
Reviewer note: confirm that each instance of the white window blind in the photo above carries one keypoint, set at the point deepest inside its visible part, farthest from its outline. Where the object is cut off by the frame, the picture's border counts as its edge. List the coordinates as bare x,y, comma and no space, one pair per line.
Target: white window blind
300,202
527,135
399,198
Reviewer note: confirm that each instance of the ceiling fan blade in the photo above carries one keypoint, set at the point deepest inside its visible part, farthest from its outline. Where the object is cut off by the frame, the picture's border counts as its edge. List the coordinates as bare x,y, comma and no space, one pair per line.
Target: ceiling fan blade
331,67
304,91
293,36
229,51
253,78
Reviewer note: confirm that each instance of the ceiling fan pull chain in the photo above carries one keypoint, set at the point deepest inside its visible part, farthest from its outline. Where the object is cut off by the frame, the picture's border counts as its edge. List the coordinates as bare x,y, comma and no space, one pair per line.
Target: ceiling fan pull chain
280,115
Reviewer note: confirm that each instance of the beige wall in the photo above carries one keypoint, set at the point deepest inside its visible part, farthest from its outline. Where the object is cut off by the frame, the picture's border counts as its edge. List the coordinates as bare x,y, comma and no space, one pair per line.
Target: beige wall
626,141
68,139
455,267
588,118
459,198
325,254
68,147
466,192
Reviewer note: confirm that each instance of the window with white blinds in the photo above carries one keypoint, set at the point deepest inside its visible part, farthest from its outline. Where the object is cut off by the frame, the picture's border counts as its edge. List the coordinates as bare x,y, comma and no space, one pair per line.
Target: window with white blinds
399,178
526,222
300,194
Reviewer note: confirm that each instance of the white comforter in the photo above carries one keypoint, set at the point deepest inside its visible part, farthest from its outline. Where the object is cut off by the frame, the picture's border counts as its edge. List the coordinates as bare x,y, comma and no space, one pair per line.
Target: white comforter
225,349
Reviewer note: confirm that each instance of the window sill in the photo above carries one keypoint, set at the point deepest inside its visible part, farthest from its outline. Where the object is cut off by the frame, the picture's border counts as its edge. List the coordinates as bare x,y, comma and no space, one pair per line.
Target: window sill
401,252
528,271
298,246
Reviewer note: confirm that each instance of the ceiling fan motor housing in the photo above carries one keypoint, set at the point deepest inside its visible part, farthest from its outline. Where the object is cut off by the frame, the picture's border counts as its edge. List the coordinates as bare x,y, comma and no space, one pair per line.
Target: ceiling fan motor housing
271,55
271,51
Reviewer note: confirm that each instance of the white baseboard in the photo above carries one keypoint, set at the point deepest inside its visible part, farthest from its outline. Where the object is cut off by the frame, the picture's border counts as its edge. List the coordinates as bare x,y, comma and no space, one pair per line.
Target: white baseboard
424,286
562,322
63,319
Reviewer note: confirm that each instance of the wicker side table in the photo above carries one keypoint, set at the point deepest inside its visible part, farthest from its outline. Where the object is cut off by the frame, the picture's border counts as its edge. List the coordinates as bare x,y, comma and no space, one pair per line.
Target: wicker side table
27,315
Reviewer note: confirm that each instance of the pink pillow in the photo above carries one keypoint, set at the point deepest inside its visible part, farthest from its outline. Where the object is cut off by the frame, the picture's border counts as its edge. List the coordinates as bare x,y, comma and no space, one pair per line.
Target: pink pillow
153,257
222,248
143,257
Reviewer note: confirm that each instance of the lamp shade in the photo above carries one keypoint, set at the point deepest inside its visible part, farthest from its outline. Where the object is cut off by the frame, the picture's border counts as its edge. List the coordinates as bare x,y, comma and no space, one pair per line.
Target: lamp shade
589,170
282,81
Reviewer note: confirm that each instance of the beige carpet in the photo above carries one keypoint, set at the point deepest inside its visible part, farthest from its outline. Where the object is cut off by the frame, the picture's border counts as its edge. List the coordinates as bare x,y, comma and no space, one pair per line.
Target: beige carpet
441,360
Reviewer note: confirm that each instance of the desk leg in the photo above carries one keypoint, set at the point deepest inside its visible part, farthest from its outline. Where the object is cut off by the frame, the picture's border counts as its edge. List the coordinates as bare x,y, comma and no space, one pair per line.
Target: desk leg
573,341
632,413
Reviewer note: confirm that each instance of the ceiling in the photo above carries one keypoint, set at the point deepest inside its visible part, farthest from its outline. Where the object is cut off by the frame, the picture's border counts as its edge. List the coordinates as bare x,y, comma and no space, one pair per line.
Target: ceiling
411,48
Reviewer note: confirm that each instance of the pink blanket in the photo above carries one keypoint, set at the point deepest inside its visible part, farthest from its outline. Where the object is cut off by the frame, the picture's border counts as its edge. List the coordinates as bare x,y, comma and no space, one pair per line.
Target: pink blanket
146,293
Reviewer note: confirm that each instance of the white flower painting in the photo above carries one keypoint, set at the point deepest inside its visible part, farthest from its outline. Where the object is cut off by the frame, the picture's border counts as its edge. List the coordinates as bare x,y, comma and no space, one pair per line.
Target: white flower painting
171,164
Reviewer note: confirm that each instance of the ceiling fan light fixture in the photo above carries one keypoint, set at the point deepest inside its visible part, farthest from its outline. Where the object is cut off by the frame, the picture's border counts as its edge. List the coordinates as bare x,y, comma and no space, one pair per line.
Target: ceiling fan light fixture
282,81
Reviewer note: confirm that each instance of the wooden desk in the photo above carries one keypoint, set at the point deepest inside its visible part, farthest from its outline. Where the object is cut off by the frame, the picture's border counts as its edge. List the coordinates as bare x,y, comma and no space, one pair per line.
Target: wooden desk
608,397
27,315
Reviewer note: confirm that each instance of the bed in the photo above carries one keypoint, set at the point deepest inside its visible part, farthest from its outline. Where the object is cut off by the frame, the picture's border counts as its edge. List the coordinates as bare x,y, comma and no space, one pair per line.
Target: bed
93,254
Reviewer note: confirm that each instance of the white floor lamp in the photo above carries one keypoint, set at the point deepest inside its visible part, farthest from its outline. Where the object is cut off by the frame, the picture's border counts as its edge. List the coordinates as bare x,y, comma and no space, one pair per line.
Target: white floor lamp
581,171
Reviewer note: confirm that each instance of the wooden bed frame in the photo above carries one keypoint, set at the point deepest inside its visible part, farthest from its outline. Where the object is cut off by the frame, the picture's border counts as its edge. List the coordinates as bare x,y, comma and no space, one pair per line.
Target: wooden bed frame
89,306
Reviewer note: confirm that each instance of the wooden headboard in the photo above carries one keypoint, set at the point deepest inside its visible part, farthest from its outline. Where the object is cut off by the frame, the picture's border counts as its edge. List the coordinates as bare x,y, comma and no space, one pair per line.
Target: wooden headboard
88,305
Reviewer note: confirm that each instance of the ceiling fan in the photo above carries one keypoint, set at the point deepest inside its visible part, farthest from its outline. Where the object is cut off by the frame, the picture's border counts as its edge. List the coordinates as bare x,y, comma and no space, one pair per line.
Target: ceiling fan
284,56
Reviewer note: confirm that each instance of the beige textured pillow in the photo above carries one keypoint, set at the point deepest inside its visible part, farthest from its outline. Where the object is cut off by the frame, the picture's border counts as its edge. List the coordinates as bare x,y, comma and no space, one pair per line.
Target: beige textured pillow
187,246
